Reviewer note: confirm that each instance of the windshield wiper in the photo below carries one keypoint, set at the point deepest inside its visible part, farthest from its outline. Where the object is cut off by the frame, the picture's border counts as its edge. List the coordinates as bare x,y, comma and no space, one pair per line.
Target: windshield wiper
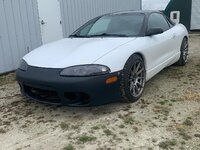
75,35
100,35
108,35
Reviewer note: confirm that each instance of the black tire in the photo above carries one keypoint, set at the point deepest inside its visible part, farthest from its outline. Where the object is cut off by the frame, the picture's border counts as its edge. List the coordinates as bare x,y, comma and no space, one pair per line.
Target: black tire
184,53
133,79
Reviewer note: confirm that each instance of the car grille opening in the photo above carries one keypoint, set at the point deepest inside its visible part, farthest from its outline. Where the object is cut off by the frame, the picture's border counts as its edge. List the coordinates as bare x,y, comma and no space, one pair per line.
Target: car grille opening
43,95
75,97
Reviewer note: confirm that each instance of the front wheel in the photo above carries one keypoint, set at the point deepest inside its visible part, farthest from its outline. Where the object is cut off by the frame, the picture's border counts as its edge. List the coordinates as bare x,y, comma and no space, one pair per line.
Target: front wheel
184,53
133,79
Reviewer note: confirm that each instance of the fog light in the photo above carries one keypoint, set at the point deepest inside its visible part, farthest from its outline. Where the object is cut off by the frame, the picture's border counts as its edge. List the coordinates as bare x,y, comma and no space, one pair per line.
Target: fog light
111,80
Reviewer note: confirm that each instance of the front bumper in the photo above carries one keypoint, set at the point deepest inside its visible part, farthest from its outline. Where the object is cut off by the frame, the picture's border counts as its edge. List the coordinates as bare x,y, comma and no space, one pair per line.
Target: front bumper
47,86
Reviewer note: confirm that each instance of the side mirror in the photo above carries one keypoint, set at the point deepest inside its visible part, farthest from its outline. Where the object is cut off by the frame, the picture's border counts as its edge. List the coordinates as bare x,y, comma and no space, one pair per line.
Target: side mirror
154,31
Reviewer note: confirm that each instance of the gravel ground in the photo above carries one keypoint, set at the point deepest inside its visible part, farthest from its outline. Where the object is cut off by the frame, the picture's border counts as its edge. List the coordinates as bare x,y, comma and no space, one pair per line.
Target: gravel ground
166,117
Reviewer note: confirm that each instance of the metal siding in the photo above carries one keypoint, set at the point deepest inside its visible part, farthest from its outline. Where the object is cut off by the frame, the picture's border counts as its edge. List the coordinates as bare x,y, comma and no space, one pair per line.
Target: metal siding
4,40
19,31
74,13
195,15
184,6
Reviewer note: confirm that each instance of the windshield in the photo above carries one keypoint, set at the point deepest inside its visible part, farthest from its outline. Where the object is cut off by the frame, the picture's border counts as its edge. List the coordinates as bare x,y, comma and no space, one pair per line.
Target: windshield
122,25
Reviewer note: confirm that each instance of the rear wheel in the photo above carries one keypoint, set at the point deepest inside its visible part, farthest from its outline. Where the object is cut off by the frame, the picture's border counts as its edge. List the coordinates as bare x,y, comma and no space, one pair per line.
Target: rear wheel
133,79
184,53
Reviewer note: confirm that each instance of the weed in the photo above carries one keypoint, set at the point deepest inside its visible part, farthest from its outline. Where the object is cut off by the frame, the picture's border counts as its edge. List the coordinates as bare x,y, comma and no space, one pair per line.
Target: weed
108,132
129,120
2,131
185,136
69,147
183,142
6,123
75,127
85,138
64,126
188,122
183,133
161,109
197,135
163,102
173,100
95,128
167,144
154,140
6,79
121,126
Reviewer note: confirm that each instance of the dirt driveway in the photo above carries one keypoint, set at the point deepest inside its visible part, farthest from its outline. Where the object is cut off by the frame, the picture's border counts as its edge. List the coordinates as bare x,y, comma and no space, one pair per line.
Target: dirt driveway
166,117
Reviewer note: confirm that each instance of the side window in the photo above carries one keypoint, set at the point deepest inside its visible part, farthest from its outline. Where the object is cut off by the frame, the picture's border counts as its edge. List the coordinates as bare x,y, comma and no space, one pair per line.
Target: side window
157,20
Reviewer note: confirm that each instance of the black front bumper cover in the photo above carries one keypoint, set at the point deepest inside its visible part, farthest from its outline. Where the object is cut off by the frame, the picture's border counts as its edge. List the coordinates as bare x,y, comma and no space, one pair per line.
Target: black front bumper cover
47,86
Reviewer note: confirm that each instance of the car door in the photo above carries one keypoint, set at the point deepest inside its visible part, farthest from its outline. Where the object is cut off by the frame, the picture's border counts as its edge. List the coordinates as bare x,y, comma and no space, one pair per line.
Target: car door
160,49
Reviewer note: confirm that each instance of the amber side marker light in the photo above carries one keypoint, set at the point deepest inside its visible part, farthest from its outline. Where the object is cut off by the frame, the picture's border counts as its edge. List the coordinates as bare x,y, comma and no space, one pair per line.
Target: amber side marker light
111,80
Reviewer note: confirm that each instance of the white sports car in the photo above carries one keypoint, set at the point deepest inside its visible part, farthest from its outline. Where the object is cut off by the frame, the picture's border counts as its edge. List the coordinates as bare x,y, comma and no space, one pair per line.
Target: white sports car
108,59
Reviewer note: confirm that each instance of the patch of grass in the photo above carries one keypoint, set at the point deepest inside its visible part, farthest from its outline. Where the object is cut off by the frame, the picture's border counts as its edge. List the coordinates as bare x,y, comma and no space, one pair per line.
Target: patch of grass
188,122
6,123
7,78
183,142
161,110
191,96
108,132
95,128
197,135
69,147
183,134
175,73
129,120
173,100
24,126
2,131
163,102
120,116
154,140
121,126
64,126
75,127
168,144
85,138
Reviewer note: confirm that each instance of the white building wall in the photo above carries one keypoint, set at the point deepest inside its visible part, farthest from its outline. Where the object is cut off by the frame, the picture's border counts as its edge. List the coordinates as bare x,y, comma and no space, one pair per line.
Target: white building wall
19,31
154,4
195,15
77,12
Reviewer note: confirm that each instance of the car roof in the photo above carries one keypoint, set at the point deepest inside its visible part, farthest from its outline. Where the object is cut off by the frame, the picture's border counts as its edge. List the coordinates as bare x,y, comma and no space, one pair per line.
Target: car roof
146,12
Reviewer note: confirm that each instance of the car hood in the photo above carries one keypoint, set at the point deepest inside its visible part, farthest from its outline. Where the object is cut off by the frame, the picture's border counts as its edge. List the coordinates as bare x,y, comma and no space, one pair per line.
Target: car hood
73,51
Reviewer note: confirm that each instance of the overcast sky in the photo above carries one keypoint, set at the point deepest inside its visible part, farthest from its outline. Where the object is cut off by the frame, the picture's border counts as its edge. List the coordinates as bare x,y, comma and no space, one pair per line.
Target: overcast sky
154,4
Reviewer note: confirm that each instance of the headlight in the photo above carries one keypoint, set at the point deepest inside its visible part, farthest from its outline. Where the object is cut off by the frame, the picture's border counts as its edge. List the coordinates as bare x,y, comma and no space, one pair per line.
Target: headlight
23,65
85,70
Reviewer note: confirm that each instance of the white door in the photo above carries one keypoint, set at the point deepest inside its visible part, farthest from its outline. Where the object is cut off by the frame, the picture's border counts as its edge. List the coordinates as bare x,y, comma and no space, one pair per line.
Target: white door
195,16
50,20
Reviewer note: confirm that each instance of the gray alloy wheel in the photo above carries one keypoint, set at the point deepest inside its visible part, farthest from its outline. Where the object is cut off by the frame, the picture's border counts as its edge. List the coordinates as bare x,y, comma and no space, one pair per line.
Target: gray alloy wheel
185,50
184,53
133,79
137,79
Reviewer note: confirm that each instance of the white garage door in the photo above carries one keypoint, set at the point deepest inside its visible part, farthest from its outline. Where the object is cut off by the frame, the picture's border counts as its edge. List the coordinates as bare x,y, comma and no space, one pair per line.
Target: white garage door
195,18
